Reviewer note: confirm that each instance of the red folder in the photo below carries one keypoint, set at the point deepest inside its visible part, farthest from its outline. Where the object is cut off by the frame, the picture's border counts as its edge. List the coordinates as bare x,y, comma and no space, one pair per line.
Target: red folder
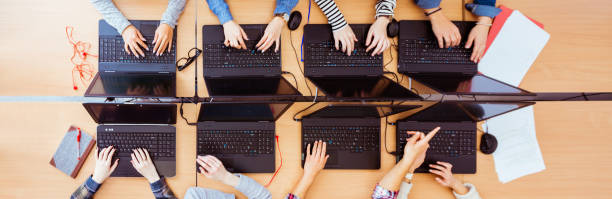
499,21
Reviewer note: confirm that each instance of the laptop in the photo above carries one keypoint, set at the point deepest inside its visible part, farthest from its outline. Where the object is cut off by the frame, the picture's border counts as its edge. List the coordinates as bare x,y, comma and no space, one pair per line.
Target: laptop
477,84
322,59
153,85
262,88
241,135
222,61
352,134
455,143
131,126
419,52
114,59
362,87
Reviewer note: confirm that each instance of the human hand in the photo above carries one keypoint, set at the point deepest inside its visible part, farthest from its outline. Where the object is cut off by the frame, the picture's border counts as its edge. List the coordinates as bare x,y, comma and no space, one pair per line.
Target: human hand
234,35
346,37
212,168
315,159
103,164
271,35
377,36
478,37
163,39
446,32
141,161
420,158
444,171
417,145
133,40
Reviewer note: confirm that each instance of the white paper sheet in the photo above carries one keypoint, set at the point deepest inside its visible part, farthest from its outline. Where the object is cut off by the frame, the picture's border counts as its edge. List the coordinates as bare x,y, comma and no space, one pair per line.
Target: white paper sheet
518,153
514,49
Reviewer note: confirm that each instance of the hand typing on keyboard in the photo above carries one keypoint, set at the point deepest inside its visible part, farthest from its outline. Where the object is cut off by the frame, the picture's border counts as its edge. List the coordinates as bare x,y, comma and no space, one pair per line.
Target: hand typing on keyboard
271,35
446,32
346,37
478,38
313,164
133,41
234,35
377,40
213,168
416,147
103,167
163,39
443,170
142,162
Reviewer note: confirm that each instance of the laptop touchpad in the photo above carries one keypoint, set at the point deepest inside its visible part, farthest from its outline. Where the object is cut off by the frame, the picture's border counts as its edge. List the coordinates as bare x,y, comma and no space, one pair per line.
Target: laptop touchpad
333,158
148,29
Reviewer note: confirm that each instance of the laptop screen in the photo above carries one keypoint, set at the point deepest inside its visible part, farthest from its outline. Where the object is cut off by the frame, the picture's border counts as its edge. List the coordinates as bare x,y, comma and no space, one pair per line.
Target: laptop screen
486,110
443,111
362,87
241,111
359,111
133,85
252,86
105,113
477,84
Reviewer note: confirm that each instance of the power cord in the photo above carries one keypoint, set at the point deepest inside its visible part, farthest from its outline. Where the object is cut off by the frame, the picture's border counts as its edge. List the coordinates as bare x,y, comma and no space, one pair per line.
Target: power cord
298,63
297,120
297,86
182,113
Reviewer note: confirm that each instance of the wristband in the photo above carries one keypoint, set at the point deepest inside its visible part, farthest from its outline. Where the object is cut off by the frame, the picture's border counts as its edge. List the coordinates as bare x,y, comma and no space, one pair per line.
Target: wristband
432,12
484,24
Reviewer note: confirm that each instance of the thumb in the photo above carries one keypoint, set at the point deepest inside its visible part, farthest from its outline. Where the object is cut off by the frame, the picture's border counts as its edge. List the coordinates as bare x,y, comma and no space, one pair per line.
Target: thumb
414,138
140,36
114,165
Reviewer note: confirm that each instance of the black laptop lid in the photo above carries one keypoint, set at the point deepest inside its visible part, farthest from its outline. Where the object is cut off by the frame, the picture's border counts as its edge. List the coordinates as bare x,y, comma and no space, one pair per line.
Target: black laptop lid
378,87
250,86
465,111
443,112
485,110
113,113
359,111
132,85
477,84
225,112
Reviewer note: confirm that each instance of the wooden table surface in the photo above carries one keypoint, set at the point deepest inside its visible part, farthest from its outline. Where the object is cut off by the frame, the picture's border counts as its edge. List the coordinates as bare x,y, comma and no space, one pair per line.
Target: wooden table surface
34,61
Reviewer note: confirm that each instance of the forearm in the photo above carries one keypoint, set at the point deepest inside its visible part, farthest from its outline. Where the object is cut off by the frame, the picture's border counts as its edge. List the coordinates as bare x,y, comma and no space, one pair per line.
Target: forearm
172,13
385,7
111,14
86,190
221,9
333,14
393,178
161,190
284,6
251,189
300,189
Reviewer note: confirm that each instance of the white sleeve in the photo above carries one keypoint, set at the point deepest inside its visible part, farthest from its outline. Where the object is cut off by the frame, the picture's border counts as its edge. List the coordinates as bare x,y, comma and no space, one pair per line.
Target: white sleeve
471,194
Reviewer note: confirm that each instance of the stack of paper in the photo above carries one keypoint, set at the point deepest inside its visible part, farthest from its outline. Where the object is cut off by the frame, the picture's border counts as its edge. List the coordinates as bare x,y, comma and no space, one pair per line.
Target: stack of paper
514,49
518,153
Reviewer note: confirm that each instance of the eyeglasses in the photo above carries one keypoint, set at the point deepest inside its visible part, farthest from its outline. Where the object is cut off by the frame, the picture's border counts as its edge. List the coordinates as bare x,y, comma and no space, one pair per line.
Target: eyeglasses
193,54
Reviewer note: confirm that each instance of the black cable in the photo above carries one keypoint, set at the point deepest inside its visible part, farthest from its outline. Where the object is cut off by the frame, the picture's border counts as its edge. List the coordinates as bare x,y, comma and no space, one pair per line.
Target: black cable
298,63
392,73
297,86
391,60
385,137
182,114
295,119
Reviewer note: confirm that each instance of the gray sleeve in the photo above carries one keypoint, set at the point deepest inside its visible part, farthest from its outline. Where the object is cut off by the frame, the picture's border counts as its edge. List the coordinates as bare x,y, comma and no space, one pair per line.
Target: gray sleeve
251,189
172,13
471,194
204,193
111,14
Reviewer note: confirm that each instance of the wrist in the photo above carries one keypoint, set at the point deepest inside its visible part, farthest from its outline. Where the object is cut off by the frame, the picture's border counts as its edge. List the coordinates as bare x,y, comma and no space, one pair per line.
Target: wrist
97,179
485,19
459,188
153,179
434,13
230,179
384,18
407,160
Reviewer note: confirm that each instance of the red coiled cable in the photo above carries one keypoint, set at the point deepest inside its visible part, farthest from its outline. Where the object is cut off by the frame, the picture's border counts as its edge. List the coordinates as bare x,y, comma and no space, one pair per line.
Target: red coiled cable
281,162
80,52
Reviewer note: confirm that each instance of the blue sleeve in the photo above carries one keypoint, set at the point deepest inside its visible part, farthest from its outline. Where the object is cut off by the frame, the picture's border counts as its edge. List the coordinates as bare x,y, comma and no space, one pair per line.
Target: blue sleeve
86,190
284,6
485,2
251,189
221,9
428,4
161,190
485,8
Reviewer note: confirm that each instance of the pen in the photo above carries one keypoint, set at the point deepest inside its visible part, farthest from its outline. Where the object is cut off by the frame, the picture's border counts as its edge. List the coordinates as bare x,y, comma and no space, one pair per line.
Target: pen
79,144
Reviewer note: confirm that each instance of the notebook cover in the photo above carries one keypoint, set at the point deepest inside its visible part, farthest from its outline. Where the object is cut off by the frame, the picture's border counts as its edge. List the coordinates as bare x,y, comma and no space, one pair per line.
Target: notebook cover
65,158
499,21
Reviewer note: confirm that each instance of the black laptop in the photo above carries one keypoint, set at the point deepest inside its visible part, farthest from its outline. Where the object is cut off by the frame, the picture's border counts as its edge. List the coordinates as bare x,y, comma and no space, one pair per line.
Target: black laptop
152,85
352,134
114,59
322,59
478,84
419,52
241,135
362,87
262,88
222,61
456,141
131,126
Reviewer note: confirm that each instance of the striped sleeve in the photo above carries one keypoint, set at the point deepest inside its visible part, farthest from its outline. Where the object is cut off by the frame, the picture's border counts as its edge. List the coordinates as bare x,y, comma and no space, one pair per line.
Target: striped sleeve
385,7
333,14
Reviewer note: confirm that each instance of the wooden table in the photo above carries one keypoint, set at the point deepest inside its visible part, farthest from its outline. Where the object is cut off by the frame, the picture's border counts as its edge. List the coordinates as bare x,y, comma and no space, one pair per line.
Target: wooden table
573,136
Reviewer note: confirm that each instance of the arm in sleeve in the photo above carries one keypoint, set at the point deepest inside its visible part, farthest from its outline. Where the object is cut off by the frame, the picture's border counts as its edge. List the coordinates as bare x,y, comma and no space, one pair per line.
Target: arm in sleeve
172,13
291,196
385,7
485,8
86,190
471,194
382,193
251,189
111,14
404,190
333,14
284,6
221,9
161,190
427,4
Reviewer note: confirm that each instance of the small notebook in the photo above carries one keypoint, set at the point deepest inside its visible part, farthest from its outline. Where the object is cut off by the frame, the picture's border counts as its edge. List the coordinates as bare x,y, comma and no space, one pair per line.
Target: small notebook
69,157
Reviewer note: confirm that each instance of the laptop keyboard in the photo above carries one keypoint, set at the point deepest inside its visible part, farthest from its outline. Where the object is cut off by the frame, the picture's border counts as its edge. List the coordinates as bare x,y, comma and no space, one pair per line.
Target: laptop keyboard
221,56
453,143
354,139
420,51
250,142
112,50
324,54
157,144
